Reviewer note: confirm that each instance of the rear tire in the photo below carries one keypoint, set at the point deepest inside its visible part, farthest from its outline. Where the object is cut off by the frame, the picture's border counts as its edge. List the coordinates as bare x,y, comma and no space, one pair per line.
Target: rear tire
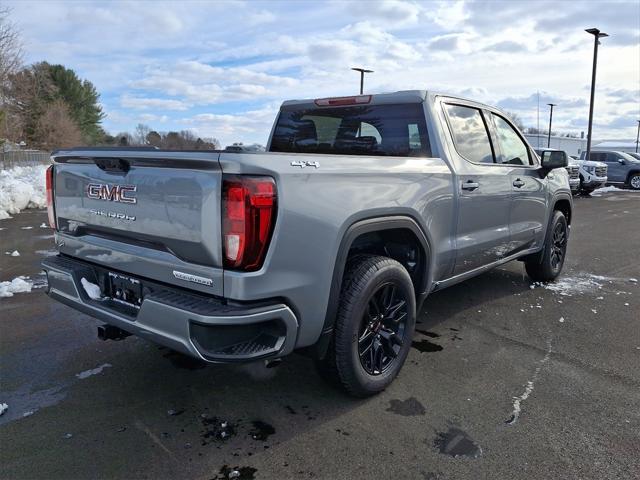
374,326
634,181
554,251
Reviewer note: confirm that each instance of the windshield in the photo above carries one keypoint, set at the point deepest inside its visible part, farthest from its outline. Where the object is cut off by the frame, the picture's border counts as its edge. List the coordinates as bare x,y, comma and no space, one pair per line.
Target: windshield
397,130
629,156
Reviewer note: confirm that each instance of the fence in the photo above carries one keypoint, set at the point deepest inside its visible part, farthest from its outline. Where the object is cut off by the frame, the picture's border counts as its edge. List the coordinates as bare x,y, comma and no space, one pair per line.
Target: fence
23,158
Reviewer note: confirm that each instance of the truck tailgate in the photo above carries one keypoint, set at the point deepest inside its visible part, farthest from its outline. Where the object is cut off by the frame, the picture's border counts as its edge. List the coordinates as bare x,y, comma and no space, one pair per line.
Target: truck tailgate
154,213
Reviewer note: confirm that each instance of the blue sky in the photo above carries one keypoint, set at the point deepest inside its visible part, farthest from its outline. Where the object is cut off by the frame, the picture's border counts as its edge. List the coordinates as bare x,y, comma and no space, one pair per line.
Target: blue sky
222,68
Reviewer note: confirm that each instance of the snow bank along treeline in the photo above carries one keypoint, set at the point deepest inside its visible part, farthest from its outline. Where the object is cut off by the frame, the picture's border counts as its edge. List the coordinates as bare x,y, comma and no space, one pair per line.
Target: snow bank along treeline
20,188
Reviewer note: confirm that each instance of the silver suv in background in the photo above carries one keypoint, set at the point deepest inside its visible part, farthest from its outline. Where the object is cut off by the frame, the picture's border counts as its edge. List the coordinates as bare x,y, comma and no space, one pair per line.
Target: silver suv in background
623,169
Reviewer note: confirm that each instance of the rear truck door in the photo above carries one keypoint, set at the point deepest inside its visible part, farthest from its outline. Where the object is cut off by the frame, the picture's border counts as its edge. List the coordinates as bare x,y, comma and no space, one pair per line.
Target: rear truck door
154,214
528,213
484,190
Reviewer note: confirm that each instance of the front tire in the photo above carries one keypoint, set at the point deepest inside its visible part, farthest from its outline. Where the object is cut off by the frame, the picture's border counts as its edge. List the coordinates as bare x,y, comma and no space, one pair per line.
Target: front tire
374,326
634,181
554,251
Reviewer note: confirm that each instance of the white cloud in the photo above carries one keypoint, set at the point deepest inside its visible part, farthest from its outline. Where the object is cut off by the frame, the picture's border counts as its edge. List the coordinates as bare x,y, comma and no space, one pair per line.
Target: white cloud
174,61
141,103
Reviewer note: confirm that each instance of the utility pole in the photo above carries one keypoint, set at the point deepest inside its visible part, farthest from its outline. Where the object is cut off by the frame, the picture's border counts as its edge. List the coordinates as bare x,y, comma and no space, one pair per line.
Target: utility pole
597,34
362,72
550,118
638,136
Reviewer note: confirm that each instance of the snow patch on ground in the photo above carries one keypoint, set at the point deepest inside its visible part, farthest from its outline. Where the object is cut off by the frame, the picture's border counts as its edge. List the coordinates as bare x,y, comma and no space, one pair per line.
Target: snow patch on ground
92,289
577,284
93,371
608,189
15,253
3,408
21,188
17,285
517,401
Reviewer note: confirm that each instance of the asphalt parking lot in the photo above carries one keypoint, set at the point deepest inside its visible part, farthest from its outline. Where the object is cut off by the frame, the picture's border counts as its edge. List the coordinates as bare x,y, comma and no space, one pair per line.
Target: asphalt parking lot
506,380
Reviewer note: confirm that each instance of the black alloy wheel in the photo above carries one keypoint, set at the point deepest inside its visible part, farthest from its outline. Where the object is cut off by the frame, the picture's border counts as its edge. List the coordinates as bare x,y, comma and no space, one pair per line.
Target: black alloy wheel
559,245
382,331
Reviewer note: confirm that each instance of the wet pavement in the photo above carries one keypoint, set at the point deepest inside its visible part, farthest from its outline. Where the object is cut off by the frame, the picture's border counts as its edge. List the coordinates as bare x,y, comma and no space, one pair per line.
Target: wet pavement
505,381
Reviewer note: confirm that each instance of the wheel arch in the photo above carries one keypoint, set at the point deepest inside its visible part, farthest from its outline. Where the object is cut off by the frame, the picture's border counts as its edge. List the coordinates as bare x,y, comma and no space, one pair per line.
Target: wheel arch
631,174
356,235
564,205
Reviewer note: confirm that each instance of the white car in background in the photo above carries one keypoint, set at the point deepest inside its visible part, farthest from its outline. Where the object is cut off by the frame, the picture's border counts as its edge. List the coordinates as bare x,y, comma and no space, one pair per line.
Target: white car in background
592,175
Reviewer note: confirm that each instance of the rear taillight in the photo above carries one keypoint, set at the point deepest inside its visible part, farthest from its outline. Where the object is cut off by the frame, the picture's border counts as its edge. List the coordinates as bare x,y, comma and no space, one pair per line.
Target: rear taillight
50,211
248,216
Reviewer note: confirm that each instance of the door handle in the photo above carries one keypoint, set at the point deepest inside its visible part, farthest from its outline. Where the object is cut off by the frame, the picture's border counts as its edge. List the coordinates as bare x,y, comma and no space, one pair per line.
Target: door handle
470,185
518,183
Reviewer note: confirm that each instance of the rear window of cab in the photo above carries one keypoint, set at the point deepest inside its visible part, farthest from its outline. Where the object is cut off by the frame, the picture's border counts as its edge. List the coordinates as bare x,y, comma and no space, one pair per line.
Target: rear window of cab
392,130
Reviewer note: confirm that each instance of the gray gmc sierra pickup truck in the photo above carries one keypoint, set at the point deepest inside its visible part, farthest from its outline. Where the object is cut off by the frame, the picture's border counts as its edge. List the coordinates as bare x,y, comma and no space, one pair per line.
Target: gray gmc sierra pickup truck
328,243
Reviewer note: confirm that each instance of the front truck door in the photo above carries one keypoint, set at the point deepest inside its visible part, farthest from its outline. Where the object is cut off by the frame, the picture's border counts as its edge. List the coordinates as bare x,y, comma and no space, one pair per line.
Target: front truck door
616,171
529,201
482,234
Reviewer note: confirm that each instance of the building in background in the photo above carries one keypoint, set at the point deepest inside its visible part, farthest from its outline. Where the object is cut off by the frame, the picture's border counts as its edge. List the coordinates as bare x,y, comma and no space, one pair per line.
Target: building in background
616,145
571,145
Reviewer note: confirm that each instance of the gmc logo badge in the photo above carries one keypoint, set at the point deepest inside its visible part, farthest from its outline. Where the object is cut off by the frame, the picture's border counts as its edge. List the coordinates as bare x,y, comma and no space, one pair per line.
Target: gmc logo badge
112,193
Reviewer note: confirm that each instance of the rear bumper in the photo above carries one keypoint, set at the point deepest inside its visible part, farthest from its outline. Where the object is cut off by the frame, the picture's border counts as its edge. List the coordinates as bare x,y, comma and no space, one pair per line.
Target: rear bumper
203,327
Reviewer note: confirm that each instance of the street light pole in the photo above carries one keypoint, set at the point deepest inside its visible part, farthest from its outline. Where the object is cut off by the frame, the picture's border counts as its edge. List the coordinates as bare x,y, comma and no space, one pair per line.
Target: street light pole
597,34
362,72
550,118
638,136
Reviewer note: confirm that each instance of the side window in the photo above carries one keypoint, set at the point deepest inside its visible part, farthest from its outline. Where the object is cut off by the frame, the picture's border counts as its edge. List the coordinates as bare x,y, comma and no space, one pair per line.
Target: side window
611,157
469,133
414,137
513,150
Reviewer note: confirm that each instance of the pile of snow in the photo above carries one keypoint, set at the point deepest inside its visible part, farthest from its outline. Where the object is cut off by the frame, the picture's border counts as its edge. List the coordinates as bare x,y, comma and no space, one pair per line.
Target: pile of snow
92,289
575,284
17,285
15,253
609,188
3,408
20,188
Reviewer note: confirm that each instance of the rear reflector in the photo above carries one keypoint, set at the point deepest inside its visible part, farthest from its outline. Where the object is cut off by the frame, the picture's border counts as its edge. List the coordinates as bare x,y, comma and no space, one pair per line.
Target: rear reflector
340,101
49,187
249,205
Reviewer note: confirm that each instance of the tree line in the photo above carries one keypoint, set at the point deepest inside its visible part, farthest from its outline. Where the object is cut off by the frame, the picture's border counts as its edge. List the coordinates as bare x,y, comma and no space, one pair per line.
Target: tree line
143,135
49,106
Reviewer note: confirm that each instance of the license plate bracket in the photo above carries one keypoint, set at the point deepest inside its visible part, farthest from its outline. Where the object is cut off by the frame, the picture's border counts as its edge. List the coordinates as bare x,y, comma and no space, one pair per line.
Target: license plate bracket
124,289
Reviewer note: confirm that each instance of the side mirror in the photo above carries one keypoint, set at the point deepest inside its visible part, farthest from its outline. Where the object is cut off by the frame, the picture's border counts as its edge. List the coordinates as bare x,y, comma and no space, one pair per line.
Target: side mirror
554,159
621,161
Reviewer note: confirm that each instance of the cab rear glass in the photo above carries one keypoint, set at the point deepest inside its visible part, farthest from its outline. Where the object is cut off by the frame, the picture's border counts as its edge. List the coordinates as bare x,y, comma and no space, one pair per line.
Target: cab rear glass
391,130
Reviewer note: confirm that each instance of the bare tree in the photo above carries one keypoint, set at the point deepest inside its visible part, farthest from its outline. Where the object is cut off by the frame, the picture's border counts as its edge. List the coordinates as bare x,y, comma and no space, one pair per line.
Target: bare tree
10,46
26,94
141,133
56,129
515,118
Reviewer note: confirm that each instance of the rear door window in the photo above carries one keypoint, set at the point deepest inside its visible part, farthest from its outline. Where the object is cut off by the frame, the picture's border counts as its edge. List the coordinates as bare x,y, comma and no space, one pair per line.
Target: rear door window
470,134
398,130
